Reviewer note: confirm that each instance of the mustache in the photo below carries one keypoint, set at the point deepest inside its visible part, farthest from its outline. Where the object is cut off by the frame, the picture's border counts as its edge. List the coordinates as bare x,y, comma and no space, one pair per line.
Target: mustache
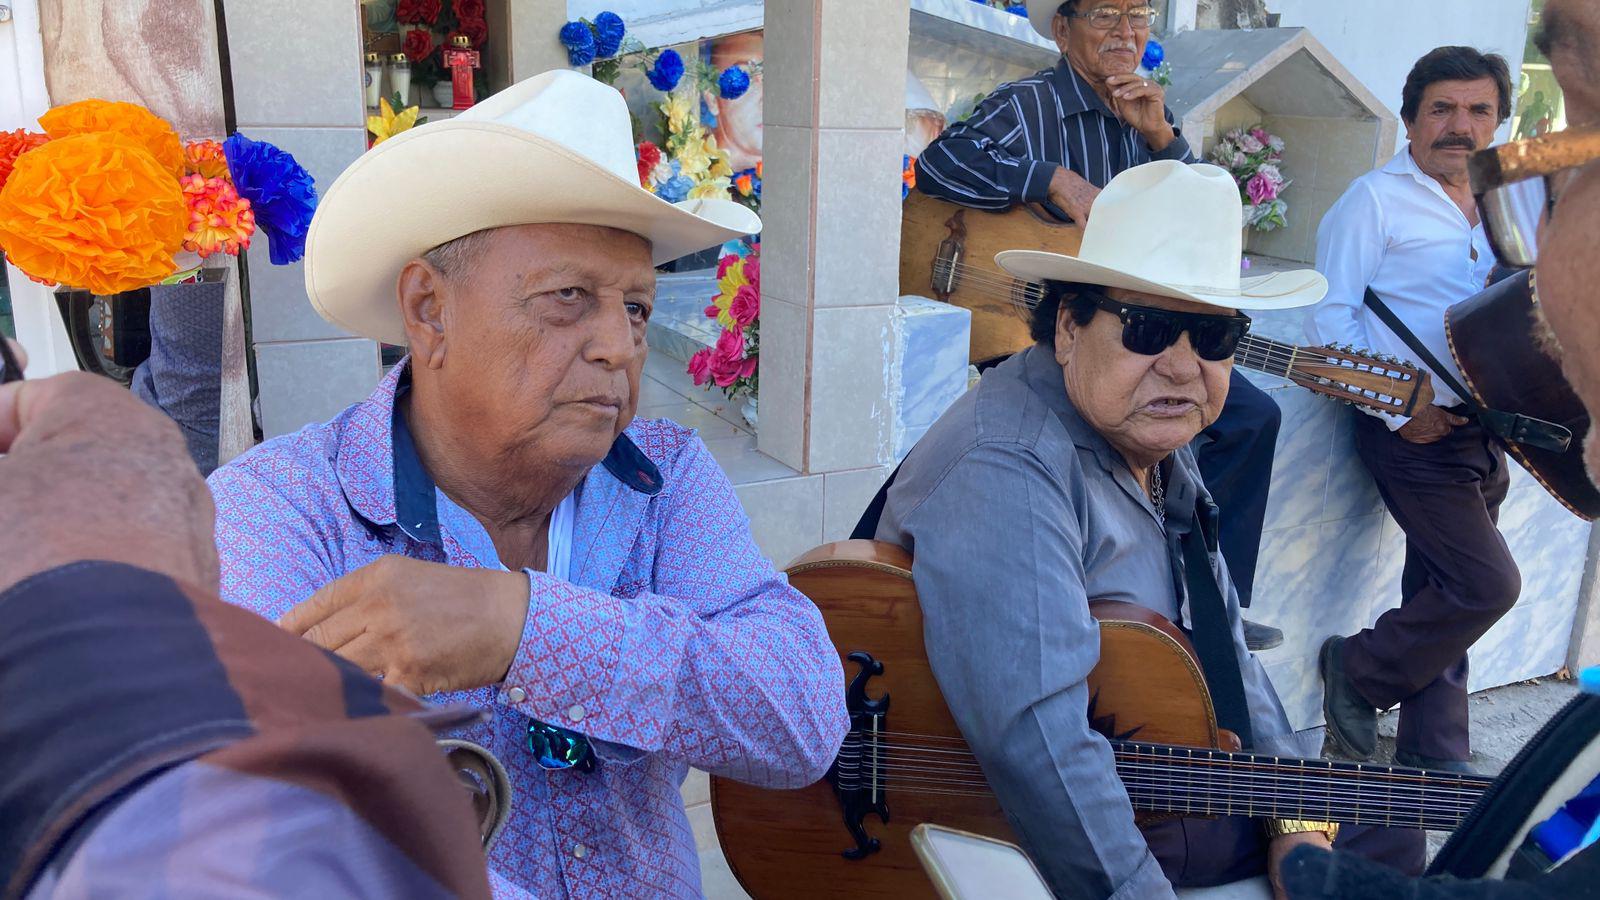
1455,140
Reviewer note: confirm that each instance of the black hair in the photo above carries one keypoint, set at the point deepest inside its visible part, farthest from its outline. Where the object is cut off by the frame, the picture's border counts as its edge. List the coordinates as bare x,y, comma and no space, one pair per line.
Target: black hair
1455,64
1081,304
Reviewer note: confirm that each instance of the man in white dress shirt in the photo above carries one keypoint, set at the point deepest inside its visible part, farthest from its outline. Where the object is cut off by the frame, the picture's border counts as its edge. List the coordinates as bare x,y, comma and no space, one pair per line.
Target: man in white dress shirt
1410,232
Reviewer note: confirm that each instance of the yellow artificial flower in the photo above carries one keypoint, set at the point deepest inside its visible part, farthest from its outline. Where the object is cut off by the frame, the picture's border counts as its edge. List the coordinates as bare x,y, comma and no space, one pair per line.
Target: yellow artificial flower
679,112
711,189
390,123
694,160
720,167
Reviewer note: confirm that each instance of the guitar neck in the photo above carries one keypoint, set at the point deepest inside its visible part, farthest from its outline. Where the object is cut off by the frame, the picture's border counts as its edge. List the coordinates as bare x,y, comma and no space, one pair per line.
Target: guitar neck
1195,781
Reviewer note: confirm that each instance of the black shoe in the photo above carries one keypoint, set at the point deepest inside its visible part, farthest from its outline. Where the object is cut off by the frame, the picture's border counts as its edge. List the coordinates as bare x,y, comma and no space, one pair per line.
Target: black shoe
1261,637
1352,721
1418,761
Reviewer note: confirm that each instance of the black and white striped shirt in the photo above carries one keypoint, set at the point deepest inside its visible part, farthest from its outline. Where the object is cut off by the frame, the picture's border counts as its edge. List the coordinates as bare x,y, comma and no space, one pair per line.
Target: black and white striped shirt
1007,150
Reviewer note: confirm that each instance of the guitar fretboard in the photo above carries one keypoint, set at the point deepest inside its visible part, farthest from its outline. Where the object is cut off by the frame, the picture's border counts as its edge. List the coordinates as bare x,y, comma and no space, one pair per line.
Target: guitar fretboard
1266,355
1194,781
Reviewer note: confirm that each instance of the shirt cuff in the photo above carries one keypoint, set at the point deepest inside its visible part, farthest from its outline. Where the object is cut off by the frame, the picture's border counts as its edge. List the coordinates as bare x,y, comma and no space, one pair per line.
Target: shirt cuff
1035,183
1146,882
1178,149
567,660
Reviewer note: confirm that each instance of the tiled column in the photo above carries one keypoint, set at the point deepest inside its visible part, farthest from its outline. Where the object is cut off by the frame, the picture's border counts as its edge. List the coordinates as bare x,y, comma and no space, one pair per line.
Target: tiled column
534,45
297,83
834,117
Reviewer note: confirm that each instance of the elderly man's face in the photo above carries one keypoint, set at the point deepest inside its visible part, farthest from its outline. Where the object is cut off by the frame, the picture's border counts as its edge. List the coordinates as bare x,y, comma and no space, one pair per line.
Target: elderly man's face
1101,54
1145,406
1454,119
543,342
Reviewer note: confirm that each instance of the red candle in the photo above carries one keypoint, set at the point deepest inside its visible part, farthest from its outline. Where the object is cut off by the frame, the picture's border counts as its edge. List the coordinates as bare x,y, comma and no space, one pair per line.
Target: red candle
461,59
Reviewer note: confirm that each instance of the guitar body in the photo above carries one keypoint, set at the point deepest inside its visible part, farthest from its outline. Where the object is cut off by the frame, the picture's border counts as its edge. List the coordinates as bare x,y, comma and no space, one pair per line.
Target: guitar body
1495,342
789,843
939,240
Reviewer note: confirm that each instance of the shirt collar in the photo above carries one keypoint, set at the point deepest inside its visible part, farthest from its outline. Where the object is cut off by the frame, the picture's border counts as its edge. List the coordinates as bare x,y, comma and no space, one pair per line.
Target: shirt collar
1076,94
407,497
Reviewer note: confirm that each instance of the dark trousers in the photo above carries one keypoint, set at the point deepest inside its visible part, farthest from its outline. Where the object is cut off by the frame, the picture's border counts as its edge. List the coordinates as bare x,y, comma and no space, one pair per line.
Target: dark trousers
1459,579
1235,457
1206,852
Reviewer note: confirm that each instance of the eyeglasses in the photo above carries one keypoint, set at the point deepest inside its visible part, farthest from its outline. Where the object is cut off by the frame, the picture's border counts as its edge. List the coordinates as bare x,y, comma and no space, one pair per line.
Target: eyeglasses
556,748
1147,330
1517,186
1107,18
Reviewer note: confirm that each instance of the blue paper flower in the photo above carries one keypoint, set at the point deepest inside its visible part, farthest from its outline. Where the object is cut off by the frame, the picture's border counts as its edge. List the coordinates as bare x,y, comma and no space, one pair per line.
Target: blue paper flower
1017,9
1153,54
282,194
666,72
579,41
733,83
675,189
608,34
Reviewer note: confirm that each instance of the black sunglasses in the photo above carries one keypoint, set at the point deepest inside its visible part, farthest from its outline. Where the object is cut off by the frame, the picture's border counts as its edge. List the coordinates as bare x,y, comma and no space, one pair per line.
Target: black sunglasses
1148,330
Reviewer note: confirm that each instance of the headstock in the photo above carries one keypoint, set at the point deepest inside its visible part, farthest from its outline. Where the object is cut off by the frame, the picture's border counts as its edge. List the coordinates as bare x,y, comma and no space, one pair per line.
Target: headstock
1362,378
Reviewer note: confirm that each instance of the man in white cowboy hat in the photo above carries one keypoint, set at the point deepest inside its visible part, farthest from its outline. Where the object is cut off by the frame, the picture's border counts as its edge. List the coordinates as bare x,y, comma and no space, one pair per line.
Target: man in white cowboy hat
1057,137
493,525
1078,449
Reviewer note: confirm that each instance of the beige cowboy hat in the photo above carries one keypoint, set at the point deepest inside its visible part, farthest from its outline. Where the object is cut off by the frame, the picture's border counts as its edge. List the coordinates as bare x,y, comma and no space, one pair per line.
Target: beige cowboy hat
1042,14
1172,230
555,148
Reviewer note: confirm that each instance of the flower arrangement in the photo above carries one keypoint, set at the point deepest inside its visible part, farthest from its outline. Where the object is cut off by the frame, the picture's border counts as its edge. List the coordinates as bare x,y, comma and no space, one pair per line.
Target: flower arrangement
1010,6
732,364
108,196
429,25
690,165
1254,157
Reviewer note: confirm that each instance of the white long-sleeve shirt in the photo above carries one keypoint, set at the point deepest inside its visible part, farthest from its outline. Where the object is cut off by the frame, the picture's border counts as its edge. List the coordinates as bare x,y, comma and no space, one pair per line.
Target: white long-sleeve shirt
1397,231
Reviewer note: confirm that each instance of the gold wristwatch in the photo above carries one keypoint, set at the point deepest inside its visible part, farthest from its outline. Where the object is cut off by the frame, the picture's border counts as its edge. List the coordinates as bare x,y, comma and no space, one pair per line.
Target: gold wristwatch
1280,827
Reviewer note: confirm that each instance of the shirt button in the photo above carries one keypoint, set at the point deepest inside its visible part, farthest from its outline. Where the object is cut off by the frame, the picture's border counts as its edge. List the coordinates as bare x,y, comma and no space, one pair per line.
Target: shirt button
516,695
576,712
579,851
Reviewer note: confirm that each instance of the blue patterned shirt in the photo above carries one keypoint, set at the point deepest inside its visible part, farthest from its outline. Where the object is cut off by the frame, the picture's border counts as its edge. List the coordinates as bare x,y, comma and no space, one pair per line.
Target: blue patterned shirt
674,644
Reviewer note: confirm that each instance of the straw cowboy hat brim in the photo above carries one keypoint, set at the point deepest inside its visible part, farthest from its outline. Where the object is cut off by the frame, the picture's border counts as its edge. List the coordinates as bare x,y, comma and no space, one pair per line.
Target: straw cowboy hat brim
1280,290
1172,230
1041,15
444,180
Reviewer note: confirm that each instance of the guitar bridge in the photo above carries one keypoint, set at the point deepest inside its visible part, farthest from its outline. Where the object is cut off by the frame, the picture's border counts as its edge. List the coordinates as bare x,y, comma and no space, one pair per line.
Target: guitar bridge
857,772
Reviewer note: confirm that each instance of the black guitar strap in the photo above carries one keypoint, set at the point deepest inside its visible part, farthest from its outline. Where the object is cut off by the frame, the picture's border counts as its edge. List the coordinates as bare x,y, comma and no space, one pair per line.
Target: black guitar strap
1504,425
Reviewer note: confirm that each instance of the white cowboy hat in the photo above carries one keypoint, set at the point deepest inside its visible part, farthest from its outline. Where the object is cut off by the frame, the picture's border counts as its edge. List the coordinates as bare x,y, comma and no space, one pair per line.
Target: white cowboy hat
1041,14
1172,230
555,148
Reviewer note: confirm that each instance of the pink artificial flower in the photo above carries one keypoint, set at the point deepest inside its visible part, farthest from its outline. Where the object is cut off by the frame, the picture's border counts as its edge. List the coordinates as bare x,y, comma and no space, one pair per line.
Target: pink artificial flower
1249,144
752,270
726,358
724,264
1261,189
712,311
1260,134
747,369
700,366
746,306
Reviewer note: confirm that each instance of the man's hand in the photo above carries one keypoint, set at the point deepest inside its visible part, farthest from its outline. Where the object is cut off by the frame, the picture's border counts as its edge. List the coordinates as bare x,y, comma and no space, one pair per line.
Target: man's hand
1280,846
424,626
92,473
1142,103
1074,195
1429,425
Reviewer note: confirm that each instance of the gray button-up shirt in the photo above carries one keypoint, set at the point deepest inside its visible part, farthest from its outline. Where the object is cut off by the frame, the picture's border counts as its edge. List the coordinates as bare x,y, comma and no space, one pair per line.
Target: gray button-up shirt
1016,513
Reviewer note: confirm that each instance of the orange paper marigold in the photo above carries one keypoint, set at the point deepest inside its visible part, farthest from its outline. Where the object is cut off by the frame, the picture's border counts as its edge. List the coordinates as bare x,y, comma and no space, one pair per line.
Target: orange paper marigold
134,122
93,211
12,145
220,221
206,159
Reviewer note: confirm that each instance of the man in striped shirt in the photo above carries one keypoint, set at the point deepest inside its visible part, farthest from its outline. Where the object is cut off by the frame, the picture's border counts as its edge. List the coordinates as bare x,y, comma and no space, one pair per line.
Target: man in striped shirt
1056,138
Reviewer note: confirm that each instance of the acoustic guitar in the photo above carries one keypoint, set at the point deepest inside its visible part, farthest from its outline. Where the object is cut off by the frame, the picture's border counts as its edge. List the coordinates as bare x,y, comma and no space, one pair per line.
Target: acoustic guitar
904,761
947,252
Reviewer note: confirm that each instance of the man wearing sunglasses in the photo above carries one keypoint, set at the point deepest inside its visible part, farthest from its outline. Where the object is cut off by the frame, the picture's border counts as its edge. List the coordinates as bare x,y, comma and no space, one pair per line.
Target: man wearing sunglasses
1407,237
1056,138
1066,476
